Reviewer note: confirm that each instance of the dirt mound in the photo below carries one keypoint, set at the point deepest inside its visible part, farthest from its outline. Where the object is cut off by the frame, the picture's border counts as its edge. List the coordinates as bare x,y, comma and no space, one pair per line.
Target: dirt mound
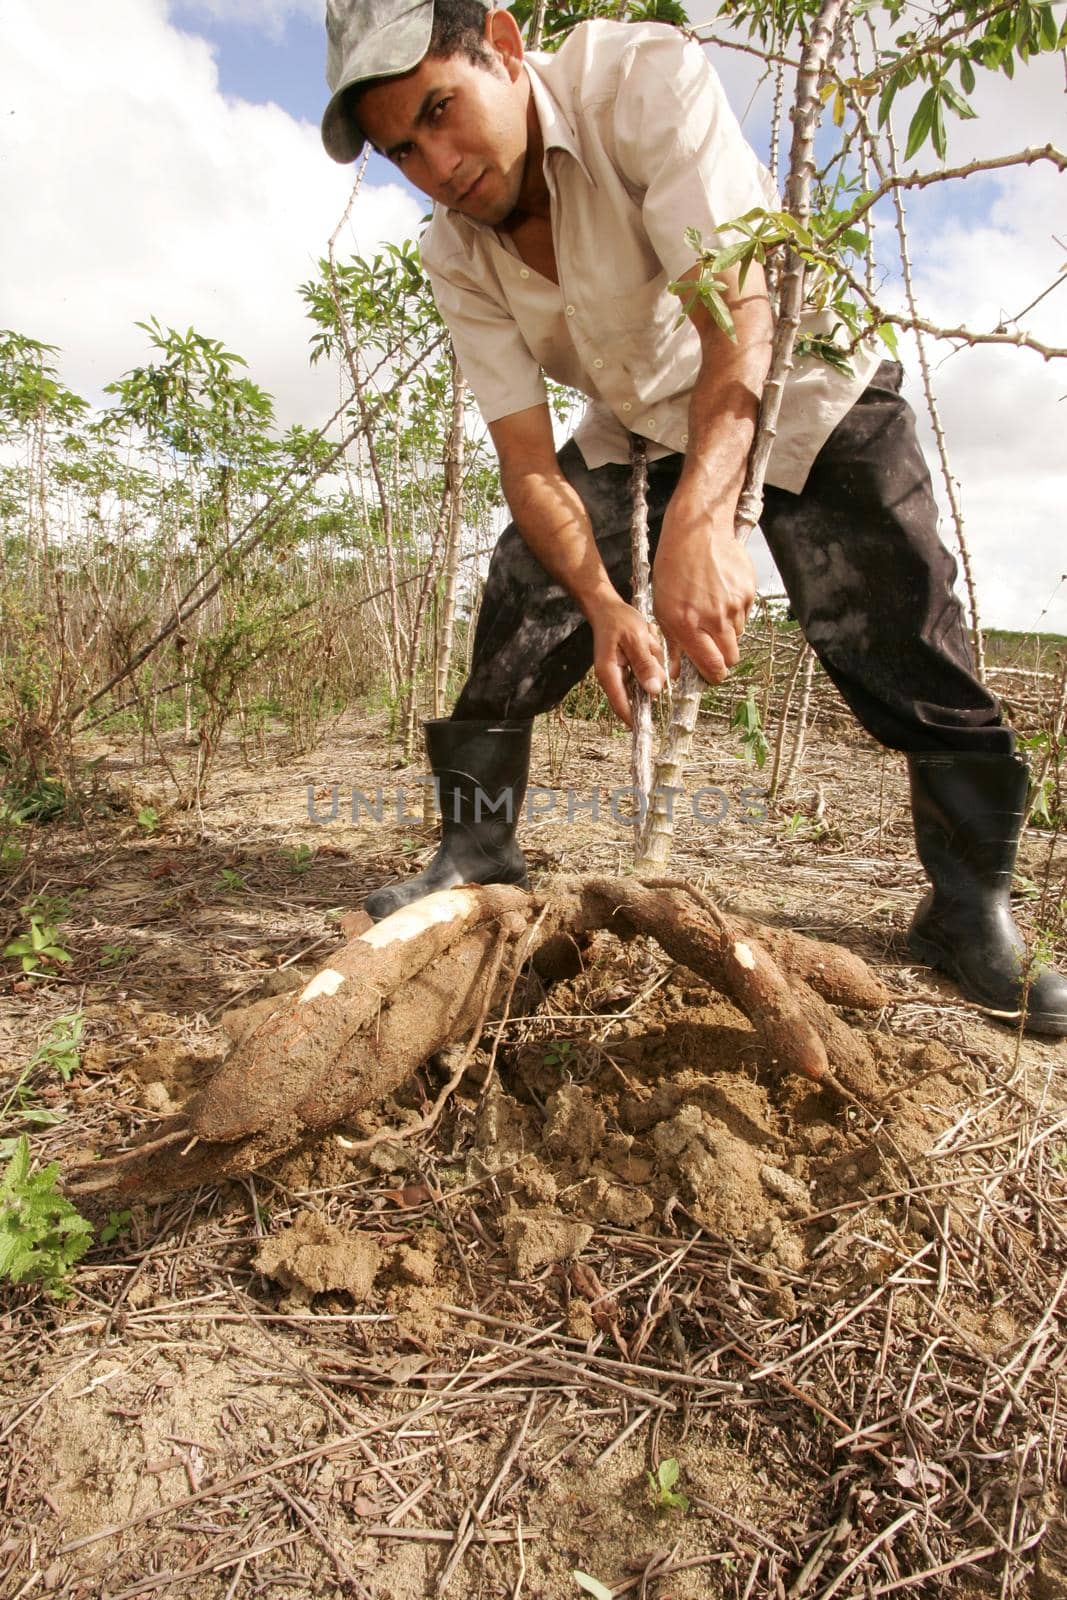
312,1257
681,1109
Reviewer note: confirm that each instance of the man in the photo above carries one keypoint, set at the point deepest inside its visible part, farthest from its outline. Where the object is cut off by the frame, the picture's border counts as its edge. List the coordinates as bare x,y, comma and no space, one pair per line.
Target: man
563,187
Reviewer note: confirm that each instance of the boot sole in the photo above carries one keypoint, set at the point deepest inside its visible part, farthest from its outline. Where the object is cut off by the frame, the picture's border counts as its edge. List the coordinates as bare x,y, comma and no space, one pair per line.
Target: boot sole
380,916
1050,1025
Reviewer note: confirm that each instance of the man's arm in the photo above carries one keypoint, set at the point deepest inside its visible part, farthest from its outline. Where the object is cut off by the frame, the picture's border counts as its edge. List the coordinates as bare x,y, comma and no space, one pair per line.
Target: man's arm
553,522
703,580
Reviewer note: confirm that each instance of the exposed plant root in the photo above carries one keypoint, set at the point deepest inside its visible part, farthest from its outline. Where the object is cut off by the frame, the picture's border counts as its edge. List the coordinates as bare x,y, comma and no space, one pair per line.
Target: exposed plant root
429,975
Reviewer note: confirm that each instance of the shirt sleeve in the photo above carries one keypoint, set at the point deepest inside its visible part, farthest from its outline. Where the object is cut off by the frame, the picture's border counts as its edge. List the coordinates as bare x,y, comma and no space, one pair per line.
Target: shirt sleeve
496,361
678,140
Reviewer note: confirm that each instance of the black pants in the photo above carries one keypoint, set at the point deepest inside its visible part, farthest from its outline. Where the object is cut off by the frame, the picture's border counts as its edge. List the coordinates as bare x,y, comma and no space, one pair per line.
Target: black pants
869,581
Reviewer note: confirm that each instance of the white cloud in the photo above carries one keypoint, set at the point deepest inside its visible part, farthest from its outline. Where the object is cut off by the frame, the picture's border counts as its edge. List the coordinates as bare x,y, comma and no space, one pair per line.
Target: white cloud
269,15
1004,409
134,188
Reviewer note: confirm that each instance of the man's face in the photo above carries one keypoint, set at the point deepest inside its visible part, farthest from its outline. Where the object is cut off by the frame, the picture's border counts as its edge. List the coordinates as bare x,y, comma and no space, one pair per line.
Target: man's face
457,130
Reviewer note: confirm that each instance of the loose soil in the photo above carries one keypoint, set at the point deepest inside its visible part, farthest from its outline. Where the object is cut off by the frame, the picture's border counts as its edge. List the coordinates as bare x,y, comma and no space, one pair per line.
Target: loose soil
447,1364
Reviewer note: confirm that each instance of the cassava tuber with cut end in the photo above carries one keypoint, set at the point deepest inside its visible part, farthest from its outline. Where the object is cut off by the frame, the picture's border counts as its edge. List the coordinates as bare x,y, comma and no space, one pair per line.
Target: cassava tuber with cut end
422,978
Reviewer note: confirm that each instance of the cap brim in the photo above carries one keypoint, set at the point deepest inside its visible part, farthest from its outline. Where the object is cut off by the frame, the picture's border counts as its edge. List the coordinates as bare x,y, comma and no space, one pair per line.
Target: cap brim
341,137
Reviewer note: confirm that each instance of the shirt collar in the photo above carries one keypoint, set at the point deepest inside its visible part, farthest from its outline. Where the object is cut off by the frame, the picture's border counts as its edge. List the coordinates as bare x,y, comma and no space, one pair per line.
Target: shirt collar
556,131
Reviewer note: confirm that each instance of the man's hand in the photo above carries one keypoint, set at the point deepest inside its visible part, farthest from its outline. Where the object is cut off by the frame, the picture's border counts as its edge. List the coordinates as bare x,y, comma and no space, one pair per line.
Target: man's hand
703,583
623,639
555,525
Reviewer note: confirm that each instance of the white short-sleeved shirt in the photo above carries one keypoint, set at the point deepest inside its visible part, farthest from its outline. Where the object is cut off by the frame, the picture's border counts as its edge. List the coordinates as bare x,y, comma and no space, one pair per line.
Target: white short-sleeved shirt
640,144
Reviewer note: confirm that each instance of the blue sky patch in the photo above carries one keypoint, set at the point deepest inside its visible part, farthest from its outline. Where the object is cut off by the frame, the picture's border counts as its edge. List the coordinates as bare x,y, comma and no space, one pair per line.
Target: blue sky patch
285,66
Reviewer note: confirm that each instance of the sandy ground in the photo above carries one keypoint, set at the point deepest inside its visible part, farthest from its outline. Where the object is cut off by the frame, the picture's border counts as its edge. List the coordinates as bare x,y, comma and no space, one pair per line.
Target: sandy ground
449,1366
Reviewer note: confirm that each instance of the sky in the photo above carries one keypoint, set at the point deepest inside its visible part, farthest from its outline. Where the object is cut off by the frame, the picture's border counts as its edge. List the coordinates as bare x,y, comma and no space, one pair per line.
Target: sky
162,159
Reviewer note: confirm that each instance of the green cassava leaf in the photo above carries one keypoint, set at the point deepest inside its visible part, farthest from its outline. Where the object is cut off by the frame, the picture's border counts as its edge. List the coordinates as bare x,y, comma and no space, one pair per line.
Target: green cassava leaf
921,123
953,98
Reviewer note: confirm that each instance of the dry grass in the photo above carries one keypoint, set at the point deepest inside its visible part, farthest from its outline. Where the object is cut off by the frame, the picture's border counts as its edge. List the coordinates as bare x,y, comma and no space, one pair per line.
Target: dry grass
884,1416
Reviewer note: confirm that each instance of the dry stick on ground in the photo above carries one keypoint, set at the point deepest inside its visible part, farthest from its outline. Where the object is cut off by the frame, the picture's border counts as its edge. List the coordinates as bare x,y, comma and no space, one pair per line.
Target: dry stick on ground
655,844
783,719
796,755
428,975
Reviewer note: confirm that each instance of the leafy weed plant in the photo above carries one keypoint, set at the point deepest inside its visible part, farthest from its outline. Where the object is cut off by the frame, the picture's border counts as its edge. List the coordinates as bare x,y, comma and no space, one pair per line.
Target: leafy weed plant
38,947
116,955
661,1483
58,1051
747,721
300,858
41,1234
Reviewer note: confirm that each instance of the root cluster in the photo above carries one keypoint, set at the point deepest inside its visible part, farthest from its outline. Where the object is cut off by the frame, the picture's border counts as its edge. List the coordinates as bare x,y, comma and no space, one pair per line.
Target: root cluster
429,975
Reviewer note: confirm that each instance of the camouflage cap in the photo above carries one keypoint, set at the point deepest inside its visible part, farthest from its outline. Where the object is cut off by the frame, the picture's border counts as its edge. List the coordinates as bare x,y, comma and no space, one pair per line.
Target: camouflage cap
369,39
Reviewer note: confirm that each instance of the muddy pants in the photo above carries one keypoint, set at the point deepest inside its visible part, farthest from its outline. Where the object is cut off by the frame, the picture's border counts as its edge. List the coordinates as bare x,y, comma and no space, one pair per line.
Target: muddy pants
868,579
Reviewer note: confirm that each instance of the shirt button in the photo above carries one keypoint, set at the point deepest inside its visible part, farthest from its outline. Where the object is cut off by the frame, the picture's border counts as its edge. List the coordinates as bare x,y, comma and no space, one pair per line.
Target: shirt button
598,363
524,272
570,311
685,438
650,424
626,406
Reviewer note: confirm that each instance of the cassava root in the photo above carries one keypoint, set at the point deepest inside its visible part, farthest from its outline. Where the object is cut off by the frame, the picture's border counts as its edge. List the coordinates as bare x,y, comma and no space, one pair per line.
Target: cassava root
430,974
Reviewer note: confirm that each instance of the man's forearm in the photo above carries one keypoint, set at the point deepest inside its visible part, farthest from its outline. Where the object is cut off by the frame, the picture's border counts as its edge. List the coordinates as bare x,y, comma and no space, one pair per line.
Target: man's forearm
724,405
554,524
704,581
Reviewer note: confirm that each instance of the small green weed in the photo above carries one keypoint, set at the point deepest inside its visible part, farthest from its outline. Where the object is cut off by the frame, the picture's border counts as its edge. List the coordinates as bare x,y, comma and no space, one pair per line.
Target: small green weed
41,1234
148,819
51,907
562,1054
11,852
60,1049
58,1052
1045,799
38,947
661,1486
117,1222
800,828
300,858
116,955
747,721
42,801
231,881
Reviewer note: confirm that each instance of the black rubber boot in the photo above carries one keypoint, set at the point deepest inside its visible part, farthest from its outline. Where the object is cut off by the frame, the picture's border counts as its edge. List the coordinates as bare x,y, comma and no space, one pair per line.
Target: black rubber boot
481,770
969,812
